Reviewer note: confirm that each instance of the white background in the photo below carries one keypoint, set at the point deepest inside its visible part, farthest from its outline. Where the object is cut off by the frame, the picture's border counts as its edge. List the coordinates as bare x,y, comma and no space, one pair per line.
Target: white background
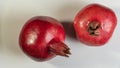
14,13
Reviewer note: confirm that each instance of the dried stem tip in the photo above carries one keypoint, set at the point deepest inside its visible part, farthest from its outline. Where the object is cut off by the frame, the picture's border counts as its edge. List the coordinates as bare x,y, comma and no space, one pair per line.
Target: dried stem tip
60,48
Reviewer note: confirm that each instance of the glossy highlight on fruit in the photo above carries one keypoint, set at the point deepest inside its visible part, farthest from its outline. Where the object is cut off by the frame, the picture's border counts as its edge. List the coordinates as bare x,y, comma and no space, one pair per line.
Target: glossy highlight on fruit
42,38
95,24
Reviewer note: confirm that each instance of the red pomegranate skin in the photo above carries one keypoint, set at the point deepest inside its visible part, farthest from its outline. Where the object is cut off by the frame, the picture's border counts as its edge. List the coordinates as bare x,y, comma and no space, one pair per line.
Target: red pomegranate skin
95,24
39,34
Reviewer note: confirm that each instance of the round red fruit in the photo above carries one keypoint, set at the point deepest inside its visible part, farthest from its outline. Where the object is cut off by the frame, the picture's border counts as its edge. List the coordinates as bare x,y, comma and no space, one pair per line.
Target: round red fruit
95,24
42,38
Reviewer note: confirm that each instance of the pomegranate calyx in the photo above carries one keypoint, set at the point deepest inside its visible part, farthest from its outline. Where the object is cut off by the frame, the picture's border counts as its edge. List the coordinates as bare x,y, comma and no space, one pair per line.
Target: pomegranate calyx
60,48
93,28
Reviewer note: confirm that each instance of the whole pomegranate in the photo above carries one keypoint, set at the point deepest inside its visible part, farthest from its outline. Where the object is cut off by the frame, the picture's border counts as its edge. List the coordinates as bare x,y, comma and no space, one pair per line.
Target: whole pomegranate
42,38
95,24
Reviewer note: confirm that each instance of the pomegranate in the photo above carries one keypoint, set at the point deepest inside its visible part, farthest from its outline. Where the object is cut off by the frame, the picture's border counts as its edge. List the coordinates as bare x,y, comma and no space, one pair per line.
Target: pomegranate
42,38
95,24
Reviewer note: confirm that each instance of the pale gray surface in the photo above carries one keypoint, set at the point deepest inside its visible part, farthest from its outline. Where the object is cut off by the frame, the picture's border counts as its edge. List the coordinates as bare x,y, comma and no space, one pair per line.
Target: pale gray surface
17,12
